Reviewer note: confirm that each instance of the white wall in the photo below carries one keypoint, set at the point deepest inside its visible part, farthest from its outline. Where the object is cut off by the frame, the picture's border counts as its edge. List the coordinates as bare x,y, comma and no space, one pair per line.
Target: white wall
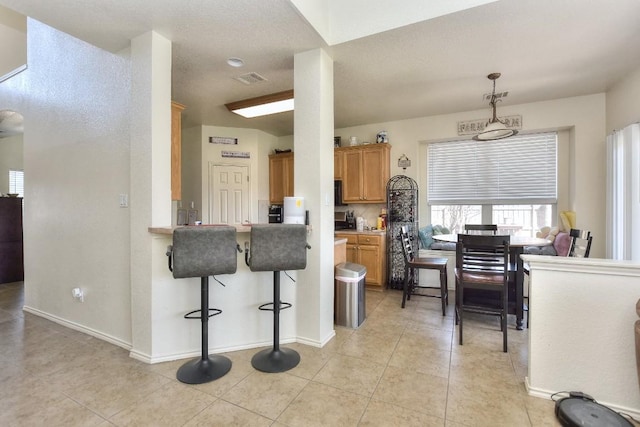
75,100
13,33
583,117
259,145
10,159
623,102
581,329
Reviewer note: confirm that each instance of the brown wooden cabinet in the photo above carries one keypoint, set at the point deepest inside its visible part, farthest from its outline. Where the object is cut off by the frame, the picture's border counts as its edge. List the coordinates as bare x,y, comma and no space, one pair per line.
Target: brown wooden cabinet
338,162
176,150
365,172
11,252
280,177
368,249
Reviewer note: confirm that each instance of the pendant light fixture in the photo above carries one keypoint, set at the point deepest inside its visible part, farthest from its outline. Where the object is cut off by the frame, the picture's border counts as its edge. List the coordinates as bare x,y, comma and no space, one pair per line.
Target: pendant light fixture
495,129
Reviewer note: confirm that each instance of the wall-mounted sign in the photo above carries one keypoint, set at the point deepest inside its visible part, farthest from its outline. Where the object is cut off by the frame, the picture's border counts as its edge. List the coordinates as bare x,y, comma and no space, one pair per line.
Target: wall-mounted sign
237,154
404,162
223,140
473,127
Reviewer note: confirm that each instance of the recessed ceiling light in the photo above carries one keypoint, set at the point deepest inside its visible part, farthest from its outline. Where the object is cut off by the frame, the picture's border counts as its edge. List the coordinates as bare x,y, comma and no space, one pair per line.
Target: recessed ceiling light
263,105
235,62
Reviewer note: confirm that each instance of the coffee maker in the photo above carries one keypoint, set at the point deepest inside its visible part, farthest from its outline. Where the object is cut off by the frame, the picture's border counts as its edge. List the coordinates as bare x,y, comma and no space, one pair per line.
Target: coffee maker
275,214
345,220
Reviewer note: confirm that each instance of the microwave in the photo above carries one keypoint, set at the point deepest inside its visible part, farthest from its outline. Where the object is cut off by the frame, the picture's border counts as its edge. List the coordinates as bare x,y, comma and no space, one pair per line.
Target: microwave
337,193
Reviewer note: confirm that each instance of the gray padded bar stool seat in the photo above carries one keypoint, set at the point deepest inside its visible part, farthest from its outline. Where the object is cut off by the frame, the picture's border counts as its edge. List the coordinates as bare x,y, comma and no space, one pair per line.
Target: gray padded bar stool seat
203,251
277,247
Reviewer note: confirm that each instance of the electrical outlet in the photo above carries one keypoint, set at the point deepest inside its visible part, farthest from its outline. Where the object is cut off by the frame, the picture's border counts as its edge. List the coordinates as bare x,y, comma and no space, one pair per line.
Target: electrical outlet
78,293
124,200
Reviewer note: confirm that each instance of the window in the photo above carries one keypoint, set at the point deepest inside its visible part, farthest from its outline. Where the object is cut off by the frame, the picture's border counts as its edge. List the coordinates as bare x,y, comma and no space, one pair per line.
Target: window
454,217
510,182
16,182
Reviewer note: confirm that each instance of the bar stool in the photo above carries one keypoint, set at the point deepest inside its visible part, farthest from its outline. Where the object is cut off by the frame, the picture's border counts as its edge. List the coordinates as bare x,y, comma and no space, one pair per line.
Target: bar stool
203,251
276,247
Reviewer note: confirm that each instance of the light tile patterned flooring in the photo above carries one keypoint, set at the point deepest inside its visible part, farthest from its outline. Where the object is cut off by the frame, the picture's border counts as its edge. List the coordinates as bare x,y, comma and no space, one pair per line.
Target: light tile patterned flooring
400,368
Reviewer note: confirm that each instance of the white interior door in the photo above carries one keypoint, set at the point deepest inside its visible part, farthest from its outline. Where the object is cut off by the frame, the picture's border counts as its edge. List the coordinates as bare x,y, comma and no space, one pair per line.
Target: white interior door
228,194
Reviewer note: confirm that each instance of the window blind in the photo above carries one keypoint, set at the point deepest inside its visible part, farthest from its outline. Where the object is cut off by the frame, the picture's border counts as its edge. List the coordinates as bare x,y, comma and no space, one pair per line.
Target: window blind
518,170
16,182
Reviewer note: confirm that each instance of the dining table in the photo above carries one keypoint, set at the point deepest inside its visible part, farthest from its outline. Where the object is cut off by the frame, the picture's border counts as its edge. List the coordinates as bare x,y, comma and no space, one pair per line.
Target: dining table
517,244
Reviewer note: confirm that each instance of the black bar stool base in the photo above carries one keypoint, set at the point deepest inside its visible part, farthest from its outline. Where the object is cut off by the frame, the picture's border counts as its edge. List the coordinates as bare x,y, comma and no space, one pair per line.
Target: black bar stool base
273,361
199,371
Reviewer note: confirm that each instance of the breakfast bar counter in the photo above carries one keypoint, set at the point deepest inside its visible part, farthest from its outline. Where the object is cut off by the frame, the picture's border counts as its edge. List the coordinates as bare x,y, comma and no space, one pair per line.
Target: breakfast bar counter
240,326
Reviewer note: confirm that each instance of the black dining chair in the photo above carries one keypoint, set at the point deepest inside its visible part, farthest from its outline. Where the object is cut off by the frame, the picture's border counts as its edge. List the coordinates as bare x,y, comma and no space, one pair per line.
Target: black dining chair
412,263
481,229
482,266
580,243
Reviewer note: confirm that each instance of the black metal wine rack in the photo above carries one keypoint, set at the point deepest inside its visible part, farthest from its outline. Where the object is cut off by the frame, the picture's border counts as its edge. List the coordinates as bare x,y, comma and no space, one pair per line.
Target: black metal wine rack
402,210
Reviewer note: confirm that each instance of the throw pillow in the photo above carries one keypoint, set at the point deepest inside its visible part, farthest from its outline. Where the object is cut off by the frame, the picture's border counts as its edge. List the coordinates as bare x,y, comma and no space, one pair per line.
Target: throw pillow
568,220
425,234
562,243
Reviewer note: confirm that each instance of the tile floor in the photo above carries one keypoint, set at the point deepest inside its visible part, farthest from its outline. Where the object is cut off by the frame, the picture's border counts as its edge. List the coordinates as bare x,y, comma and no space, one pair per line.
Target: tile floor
400,368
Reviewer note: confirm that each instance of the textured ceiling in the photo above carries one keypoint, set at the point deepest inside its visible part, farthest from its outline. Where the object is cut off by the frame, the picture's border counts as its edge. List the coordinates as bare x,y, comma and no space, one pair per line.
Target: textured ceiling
545,49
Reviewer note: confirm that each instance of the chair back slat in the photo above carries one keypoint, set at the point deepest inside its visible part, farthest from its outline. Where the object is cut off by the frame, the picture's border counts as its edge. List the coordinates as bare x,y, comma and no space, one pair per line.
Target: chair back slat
407,247
481,229
580,245
483,255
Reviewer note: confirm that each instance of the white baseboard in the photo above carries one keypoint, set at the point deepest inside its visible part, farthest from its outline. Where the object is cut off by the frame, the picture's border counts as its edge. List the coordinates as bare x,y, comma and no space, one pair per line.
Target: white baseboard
546,394
146,358
77,327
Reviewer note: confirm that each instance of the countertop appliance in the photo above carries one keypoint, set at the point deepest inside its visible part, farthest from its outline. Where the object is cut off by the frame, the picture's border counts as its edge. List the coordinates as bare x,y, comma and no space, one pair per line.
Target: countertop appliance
294,212
344,220
275,214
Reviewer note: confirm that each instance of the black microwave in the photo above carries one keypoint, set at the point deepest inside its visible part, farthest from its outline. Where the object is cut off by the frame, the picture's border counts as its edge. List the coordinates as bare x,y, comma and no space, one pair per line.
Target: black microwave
337,190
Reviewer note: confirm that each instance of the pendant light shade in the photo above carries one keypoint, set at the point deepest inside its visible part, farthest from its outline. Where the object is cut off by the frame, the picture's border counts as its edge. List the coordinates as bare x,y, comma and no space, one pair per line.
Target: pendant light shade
495,129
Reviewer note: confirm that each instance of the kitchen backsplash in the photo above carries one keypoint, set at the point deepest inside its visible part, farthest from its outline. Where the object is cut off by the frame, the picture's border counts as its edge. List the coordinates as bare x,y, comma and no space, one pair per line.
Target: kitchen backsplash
369,212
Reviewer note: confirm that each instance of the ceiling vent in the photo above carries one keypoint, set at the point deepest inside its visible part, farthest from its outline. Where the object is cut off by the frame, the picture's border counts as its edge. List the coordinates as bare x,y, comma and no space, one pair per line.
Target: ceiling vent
250,78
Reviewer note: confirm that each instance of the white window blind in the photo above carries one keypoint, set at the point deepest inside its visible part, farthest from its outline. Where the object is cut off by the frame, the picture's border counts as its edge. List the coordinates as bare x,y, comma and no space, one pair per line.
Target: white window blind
517,170
16,182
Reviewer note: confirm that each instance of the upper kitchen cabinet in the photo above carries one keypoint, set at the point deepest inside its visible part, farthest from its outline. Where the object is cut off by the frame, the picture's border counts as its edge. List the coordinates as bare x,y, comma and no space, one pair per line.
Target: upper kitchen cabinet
365,173
280,177
176,150
338,162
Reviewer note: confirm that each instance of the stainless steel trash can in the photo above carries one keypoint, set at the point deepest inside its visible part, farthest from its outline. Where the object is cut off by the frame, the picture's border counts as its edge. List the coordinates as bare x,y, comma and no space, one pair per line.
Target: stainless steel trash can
349,297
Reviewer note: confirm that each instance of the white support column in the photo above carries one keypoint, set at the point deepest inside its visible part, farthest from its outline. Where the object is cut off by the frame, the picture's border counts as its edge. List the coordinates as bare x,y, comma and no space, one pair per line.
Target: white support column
150,199
313,177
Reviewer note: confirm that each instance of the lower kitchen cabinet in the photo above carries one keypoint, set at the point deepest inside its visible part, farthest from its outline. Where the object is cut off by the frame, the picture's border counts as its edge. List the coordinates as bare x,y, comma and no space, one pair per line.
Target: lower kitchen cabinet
368,249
